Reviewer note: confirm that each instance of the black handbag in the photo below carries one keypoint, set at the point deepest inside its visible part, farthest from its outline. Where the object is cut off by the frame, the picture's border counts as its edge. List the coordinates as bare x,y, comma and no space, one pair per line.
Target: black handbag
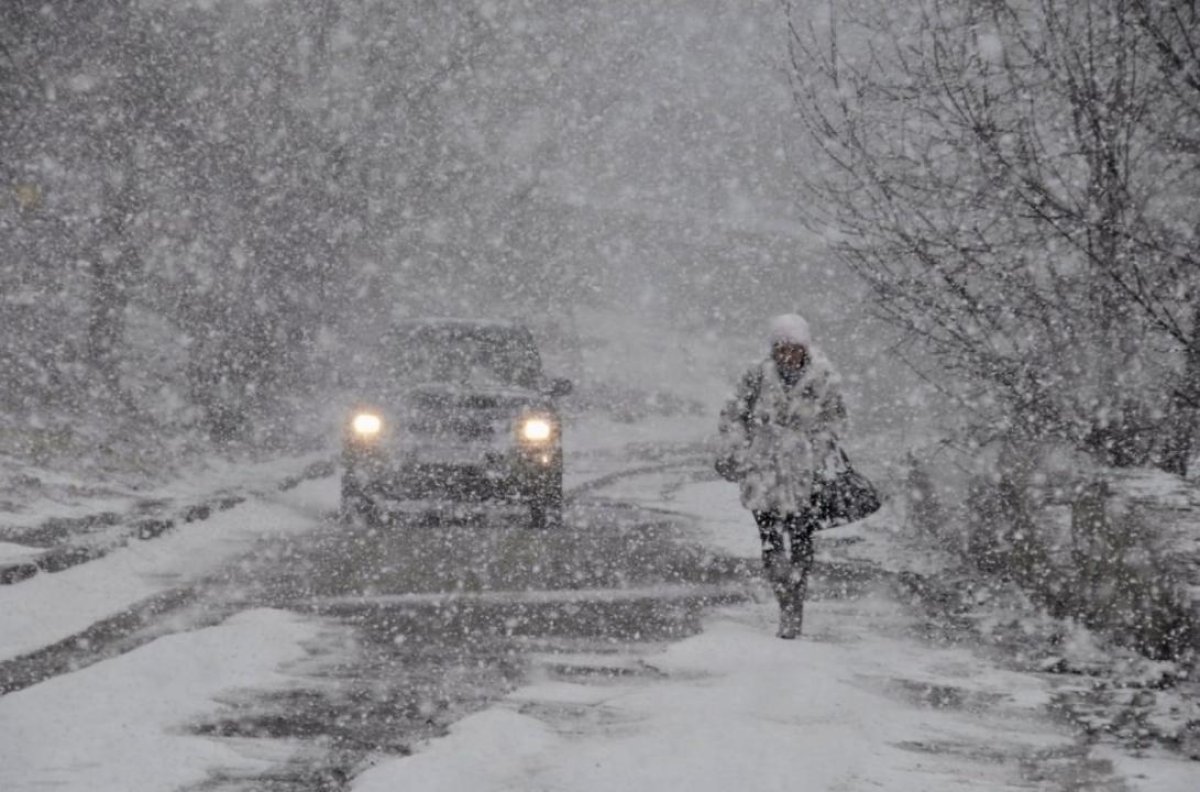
844,497
727,468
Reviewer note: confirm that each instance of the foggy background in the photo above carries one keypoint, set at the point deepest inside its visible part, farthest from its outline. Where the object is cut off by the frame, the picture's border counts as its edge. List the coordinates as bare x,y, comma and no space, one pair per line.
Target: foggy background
211,203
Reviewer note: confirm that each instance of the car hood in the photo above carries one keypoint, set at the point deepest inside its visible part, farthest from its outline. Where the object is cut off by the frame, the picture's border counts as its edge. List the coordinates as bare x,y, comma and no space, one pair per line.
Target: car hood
446,397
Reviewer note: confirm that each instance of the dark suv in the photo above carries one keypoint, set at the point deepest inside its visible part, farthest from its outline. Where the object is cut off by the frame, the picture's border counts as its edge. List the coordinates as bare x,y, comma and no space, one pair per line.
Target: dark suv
454,410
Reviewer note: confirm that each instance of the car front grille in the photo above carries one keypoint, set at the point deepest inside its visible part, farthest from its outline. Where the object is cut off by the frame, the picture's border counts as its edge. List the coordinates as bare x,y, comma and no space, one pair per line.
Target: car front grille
457,481
456,427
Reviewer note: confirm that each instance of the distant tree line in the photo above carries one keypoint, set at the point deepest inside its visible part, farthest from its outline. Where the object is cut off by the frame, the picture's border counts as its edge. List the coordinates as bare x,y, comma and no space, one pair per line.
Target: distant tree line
1017,182
201,204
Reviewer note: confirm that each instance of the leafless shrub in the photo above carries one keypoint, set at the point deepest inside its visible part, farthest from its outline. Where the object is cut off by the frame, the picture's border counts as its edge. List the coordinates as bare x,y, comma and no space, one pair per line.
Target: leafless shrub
1108,568
1008,178
925,511
1123,578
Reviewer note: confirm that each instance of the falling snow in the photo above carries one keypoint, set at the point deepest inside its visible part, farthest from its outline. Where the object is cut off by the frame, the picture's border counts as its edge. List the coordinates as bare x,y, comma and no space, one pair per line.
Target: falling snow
382,403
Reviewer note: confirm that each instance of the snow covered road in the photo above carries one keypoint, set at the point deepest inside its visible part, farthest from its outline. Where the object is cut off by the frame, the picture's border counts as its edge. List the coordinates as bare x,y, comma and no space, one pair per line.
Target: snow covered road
634,650
860,703
851,708
426,621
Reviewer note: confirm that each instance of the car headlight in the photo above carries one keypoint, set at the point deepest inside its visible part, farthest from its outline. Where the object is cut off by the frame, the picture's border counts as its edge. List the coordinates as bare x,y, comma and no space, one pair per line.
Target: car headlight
366,425
536,430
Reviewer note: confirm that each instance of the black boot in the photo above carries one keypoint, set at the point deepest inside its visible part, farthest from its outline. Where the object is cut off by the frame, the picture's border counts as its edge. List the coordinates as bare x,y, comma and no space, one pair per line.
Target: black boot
777,574
791,607
791,591
791,614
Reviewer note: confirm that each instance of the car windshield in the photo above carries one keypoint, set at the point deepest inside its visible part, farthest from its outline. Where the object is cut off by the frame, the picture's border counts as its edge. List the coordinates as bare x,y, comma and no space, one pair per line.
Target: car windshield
466,355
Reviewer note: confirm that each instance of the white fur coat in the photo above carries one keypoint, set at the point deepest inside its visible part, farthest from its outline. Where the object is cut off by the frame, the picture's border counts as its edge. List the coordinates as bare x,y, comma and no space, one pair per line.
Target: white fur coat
779,435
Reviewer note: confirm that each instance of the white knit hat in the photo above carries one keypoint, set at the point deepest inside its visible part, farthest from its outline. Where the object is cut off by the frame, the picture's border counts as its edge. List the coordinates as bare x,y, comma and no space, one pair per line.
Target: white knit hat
790,329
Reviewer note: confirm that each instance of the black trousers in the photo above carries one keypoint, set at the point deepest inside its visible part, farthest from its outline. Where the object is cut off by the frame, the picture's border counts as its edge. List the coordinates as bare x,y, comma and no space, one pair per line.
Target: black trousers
777,531
787,553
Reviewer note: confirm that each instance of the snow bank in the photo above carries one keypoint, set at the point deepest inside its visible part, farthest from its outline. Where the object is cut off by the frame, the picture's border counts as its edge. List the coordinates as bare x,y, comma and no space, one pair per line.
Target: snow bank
115,725
51,607
31,495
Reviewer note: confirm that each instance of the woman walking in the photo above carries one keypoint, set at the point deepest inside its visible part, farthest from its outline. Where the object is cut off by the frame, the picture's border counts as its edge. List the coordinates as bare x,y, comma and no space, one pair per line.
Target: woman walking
775,435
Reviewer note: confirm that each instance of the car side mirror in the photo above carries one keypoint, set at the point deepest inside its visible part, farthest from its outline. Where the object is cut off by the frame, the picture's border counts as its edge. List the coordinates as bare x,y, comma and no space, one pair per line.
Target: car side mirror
560,387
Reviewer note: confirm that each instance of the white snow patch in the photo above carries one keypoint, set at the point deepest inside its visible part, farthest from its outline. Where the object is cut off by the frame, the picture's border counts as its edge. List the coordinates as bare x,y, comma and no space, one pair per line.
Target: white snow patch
720,520
51,607
116,724
11,552
480,749
741,709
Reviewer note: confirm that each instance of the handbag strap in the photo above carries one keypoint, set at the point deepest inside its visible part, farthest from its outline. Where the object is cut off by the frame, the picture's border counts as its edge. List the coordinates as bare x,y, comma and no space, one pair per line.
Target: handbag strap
841,462
835,444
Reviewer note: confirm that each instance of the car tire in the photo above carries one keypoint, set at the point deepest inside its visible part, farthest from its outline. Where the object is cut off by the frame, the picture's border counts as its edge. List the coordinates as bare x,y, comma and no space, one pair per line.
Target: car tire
546,508
357,505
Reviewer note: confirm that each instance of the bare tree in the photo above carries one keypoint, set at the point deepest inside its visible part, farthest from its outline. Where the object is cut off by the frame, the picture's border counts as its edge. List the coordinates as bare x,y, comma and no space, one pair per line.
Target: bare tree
88,104
1173,30
1001,176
